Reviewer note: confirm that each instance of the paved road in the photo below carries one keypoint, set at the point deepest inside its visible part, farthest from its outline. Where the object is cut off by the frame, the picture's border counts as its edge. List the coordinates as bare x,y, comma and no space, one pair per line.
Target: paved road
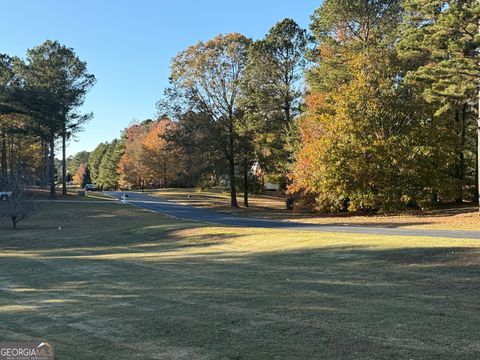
184,212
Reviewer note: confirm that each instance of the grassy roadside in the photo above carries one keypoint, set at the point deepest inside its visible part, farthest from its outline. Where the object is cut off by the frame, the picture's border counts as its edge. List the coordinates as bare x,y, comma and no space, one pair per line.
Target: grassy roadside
119,282
457,218
72,194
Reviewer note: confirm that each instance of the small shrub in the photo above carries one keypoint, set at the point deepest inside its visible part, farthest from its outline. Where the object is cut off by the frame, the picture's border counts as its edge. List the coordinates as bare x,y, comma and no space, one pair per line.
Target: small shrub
18,203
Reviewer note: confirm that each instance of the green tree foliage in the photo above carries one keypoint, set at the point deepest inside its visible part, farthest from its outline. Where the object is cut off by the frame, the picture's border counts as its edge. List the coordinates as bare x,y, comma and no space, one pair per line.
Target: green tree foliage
13,122
273,92
208,77
203,159
95,160
55,81
108,173
23,134
441,40
6,77
74,161
369,141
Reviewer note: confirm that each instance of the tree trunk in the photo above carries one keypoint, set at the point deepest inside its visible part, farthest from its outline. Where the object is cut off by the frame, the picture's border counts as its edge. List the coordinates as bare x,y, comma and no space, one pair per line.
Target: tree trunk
233,190
245,182
52,165
478,149
289,199
476,190
12,156
4,156
18,164
14,223
289,202
460,160
286,110
165,172
44,163
231,161
463,143
64,162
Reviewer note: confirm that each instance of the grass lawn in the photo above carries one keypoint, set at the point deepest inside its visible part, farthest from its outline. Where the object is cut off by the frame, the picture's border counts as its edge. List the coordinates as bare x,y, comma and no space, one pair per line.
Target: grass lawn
72,194
465,217
121,283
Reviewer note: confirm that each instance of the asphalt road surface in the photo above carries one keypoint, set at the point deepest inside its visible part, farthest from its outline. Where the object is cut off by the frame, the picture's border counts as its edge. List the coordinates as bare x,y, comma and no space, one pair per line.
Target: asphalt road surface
185,212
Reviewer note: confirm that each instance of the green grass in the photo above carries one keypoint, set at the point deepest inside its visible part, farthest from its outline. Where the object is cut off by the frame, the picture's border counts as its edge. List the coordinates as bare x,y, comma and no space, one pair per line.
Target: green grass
121,283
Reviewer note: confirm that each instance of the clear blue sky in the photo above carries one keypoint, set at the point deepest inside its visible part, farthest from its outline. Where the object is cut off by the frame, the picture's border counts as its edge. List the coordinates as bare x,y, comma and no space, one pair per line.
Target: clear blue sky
128,45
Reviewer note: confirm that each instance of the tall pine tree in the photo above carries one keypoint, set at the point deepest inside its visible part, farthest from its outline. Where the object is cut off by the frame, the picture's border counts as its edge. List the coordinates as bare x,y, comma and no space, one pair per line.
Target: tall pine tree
442,38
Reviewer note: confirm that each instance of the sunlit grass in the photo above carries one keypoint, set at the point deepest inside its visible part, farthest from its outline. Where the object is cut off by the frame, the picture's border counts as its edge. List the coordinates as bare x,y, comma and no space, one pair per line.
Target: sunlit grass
16,308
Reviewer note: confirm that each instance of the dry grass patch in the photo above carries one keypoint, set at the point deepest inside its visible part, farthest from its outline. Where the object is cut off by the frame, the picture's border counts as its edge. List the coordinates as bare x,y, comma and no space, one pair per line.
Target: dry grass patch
465,217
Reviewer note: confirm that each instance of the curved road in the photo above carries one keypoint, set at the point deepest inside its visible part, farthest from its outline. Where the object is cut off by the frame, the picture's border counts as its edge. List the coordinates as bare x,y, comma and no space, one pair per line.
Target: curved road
185,212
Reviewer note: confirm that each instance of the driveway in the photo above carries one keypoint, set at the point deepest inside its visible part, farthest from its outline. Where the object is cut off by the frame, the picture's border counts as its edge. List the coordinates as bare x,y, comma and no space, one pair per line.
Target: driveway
185,212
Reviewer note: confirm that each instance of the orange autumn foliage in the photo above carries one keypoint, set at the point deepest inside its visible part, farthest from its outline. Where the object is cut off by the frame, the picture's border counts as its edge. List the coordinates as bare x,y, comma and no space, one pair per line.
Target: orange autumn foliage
149,159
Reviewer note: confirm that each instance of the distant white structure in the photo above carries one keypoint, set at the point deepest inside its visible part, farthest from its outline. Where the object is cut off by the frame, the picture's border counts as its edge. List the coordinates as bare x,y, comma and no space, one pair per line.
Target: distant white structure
258,172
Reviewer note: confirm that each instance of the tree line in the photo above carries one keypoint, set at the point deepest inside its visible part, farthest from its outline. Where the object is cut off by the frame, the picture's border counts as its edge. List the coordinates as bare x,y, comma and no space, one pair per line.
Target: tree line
391,115
374,109
40,97
231,103
141,157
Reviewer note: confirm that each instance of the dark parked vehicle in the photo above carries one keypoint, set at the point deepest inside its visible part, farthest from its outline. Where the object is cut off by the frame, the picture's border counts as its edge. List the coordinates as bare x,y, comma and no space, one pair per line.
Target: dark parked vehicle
90,187
4,195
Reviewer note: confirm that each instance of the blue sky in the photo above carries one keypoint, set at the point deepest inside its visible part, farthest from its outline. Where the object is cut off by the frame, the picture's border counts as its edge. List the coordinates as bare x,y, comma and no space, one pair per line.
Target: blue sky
128,45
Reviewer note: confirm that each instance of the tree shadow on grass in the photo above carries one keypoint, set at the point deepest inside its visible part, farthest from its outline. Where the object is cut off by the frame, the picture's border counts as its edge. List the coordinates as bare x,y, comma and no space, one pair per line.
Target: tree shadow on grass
339,302
161,238
124,291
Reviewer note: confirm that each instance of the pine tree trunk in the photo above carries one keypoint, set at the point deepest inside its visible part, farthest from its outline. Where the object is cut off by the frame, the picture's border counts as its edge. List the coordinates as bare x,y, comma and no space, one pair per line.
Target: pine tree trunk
478,135
478,150
52,166
231,162
462,152
245,182
18,164
289,199
64,162
460,158
165,172
233,190
4,156
12,156
42,174
46,165
476,189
